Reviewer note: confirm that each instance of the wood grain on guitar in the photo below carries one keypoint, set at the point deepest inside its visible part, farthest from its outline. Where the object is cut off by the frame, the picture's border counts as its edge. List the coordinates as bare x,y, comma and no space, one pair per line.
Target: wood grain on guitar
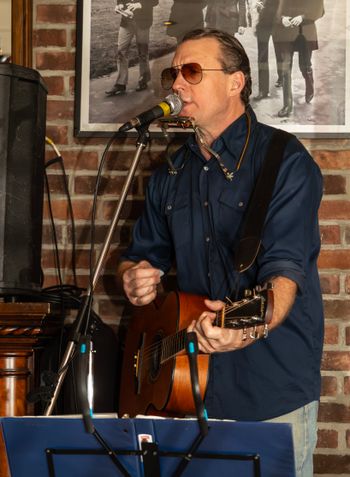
155,371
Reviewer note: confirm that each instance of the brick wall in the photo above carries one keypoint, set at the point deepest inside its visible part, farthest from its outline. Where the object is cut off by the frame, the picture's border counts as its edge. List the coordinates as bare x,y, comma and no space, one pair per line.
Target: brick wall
53,56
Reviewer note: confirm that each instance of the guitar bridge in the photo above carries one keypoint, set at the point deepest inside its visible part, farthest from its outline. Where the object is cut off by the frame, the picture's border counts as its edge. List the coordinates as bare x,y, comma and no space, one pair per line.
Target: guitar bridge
138,362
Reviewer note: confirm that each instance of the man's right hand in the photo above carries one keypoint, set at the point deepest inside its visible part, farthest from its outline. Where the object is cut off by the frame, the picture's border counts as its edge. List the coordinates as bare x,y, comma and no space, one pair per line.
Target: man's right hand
140,283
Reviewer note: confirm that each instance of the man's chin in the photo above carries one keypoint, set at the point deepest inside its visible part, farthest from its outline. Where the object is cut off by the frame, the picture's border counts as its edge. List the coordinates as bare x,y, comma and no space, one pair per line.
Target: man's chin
186,111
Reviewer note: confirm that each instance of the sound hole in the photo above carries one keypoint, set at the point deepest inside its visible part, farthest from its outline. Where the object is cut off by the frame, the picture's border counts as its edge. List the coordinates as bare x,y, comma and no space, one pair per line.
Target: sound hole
156,356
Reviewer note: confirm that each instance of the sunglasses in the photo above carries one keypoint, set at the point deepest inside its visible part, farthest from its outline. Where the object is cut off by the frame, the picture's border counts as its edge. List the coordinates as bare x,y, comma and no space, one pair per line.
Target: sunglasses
191,72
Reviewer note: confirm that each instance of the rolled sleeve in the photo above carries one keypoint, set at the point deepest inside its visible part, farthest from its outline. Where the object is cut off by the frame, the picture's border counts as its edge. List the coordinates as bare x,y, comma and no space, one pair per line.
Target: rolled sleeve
282,268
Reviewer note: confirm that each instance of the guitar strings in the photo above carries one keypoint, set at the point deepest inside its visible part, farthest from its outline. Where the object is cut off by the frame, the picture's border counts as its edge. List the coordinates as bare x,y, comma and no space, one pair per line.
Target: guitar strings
176,341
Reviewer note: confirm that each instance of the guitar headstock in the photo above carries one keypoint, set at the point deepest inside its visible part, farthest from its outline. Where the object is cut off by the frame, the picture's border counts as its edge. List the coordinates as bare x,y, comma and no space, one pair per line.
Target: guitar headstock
254,309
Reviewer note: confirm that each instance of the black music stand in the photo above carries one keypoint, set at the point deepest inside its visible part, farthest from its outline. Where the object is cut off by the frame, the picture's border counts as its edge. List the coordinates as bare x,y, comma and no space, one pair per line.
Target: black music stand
229,449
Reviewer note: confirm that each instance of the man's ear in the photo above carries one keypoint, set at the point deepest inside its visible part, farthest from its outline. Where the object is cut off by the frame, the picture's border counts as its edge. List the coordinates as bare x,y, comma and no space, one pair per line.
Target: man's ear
237,82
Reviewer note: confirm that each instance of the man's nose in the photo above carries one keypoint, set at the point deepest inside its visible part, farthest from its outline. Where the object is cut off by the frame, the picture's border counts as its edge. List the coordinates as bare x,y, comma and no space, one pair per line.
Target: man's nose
179,82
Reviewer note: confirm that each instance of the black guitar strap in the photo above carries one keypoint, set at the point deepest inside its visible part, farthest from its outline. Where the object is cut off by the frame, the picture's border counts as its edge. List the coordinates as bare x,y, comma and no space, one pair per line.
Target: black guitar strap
253,222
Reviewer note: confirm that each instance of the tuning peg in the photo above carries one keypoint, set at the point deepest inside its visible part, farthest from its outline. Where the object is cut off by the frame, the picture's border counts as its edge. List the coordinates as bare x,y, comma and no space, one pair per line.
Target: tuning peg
254,334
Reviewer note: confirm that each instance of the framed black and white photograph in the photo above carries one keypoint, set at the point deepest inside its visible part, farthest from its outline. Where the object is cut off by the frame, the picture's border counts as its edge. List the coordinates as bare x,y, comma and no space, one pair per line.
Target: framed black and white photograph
300,63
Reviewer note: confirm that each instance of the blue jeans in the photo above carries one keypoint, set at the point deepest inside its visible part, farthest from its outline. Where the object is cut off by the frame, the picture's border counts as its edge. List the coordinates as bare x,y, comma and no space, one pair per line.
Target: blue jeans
304,429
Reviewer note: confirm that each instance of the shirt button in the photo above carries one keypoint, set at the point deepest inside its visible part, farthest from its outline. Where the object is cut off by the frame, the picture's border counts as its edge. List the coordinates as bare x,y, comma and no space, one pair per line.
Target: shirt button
208,274
207,239
240,204
206,168
206,204
169,207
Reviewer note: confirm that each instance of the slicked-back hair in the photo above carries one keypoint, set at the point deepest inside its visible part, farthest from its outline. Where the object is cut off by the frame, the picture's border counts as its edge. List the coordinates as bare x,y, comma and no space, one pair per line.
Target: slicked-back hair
233,55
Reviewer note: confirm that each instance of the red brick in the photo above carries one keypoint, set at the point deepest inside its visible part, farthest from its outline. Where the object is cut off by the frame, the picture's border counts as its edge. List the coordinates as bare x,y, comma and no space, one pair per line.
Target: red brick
329,386
73,41
327,438
347,235
82,209
58,134
347,284
74,159
72,85
334,184
347,335
334,209
334,412
337,159
336,309
330,284
50,280
330,234
347,385
90,141
82,259
56,14
55,60
47,236
334,259
83,236
59,209
60,110
332,464
336,360
56,184
108,185
54,84
331,335
49,37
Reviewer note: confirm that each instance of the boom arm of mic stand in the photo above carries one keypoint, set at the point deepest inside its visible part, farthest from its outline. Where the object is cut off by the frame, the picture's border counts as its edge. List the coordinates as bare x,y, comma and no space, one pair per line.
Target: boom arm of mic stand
142,141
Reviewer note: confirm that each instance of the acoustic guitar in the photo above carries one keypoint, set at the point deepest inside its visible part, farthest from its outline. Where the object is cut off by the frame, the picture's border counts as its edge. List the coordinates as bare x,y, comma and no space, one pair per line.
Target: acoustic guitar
155,372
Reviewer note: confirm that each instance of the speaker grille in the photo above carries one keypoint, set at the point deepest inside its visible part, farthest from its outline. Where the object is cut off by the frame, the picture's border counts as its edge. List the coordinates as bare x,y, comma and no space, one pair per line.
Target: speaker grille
22,149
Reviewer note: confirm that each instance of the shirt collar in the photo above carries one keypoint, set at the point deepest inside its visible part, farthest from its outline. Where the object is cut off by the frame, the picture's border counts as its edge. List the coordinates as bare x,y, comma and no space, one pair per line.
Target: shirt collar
232,139
234,136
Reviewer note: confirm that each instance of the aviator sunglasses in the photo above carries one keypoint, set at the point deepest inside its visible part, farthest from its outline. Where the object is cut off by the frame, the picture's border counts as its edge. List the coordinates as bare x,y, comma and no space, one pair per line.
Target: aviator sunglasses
191,72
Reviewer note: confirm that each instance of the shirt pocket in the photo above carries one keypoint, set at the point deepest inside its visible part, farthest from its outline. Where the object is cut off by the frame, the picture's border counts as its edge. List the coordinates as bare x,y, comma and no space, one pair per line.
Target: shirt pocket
232,207
177,213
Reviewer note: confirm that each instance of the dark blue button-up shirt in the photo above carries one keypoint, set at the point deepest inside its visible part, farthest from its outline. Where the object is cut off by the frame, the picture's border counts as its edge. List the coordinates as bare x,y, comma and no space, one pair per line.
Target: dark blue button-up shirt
194,218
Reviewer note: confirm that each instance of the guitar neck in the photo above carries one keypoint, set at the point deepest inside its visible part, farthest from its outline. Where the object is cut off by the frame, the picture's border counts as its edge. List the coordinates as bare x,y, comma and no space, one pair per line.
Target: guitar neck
246,313
172,345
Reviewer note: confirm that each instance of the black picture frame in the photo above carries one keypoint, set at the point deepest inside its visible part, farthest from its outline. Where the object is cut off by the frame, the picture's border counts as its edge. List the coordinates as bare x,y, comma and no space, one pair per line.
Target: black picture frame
96,114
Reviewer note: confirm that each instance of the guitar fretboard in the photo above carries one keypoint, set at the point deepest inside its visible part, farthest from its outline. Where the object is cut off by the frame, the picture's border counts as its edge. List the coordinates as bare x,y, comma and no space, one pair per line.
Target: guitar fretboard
172,345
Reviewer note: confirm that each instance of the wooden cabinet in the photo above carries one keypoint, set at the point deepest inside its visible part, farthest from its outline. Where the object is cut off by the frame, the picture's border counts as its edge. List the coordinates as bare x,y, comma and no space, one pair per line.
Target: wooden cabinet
23,326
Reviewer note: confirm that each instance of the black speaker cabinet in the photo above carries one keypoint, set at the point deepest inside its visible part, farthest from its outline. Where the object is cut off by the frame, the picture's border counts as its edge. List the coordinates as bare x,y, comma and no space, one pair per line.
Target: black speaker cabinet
22,149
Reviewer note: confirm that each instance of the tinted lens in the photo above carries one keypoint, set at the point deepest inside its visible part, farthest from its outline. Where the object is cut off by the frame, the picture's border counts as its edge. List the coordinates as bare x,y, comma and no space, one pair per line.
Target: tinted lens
192,73
168,77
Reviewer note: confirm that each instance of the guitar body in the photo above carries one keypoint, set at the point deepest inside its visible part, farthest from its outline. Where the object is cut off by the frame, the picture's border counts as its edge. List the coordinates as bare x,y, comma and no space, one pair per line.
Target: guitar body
147,385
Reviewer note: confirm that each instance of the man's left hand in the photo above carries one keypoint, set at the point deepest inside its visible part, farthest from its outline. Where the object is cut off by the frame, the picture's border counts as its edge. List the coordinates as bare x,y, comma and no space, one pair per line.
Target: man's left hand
134,6
213,339
296,21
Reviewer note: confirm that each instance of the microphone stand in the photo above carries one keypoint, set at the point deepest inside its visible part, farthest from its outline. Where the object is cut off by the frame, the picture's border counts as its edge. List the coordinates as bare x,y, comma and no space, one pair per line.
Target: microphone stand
142,141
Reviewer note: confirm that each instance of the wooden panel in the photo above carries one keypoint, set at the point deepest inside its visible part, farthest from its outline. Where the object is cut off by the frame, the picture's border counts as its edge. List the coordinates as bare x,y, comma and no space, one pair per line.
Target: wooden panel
22,19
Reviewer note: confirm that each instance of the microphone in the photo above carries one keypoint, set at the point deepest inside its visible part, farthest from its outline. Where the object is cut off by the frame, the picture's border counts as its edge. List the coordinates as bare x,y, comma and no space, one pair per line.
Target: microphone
170,106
